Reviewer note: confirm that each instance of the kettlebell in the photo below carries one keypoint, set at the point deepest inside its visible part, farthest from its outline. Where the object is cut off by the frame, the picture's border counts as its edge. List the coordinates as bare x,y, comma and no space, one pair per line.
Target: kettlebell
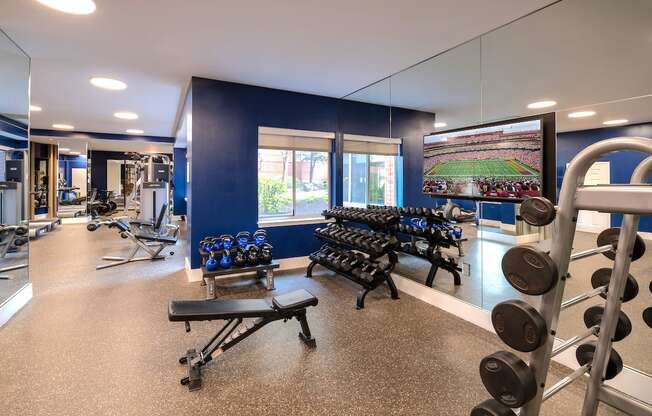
266,253
226,261
242,238
260,236
239,259
253,254
227,241
211,263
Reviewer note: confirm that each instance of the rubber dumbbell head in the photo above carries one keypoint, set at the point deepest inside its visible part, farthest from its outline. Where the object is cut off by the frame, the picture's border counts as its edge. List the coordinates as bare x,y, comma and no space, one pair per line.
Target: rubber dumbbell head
601,277
492,407
593,317
537,211
519,325
529,270
610,236
508,379
585,353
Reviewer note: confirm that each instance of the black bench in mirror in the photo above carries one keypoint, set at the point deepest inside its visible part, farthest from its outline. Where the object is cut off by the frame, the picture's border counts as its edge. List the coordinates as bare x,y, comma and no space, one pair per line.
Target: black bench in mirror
234,311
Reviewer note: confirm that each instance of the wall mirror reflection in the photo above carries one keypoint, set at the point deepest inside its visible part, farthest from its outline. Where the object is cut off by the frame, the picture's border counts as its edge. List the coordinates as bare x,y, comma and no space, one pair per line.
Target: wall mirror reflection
14,165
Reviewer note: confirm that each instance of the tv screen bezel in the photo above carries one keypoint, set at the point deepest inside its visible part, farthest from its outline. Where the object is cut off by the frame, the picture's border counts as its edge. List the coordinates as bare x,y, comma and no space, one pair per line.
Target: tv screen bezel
548,158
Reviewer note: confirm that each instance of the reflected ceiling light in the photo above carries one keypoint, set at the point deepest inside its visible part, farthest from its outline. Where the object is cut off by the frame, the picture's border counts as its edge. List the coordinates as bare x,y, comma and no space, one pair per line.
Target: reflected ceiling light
126,115
34,108
440,124
71,6
135,131
616,121
108,83
542,104
581,114
74,153
64,149
63,126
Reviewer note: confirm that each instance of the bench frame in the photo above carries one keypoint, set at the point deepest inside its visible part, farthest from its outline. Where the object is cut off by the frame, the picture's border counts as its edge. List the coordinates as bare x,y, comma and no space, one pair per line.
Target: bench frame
230,334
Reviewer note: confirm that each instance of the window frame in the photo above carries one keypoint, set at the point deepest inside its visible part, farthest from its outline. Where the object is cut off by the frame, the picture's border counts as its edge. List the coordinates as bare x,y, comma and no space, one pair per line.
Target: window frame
270,219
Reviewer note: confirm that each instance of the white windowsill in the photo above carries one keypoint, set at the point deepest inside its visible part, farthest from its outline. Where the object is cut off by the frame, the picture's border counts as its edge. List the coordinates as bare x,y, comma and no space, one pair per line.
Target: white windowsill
284,222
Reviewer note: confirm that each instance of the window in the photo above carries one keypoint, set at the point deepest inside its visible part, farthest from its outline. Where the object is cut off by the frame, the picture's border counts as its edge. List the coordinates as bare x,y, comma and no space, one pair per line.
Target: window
370,171
370,179
293,173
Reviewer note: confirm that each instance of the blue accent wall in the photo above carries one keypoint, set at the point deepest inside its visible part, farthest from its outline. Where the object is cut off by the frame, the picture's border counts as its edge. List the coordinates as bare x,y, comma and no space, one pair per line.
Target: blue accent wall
223,152
179,182
70,162
85,135
622,164
98,167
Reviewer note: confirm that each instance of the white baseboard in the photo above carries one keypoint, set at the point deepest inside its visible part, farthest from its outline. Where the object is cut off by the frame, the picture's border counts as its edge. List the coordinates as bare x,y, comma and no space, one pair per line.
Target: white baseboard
630,381
508,227
290,263
490,223
508,238
15,303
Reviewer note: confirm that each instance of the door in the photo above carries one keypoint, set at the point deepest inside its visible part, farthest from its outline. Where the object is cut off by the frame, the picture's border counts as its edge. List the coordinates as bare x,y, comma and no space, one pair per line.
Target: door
79,180
594,221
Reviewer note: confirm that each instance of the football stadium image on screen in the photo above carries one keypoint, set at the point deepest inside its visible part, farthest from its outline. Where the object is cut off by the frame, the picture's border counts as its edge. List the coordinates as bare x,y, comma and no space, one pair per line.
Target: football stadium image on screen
502,161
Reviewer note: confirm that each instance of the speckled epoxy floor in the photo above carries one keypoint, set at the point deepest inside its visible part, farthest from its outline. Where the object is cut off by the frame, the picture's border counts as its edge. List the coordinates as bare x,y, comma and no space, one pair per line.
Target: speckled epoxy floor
98,342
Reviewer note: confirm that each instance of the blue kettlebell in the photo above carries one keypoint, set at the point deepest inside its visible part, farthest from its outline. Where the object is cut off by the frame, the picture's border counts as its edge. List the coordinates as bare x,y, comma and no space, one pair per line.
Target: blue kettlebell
211,263
226,261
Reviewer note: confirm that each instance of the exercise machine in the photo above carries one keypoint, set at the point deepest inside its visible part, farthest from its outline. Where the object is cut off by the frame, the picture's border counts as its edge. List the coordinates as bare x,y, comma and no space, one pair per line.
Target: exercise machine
151,239
152,187
12,237
512,382
235,311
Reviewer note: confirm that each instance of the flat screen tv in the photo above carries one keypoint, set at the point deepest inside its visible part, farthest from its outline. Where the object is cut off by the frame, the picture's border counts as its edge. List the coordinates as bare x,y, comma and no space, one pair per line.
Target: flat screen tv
503,161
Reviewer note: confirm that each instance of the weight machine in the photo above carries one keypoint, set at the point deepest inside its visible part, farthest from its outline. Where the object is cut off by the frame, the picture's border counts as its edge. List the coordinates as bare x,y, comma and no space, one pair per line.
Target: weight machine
534,271
152,187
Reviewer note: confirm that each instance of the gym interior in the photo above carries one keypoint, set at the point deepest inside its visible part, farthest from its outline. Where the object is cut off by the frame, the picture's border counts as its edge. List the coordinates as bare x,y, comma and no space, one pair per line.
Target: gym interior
370,208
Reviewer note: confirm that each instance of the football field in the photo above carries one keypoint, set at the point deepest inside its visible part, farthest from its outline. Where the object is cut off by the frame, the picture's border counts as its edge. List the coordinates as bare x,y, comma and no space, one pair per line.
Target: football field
489,168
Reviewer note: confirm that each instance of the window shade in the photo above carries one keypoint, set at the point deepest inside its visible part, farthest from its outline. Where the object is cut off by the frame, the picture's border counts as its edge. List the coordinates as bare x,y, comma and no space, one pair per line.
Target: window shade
371,145
276,141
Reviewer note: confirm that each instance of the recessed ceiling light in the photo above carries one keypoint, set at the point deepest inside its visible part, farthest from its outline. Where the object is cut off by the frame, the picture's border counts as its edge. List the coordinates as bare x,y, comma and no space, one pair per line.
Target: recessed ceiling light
616,121
581,114
440,124
64,149
108,83
33,107
135,131
71,6
63,126
542,104
126,115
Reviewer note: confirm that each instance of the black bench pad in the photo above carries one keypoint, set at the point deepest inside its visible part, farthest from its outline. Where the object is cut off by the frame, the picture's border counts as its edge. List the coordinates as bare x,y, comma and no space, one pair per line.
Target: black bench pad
157,238
122,224
206,310
298,299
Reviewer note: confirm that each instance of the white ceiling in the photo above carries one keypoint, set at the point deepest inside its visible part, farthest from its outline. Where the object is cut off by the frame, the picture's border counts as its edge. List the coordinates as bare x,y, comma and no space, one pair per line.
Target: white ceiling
329,48
77,145
584,54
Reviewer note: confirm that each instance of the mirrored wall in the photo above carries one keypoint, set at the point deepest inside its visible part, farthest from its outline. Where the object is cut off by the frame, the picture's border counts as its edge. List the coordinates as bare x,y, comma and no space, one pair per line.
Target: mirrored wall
14,161
586,61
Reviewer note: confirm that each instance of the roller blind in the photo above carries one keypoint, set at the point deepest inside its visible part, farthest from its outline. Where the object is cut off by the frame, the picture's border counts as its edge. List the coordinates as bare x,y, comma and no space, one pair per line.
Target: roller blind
371,145
272,138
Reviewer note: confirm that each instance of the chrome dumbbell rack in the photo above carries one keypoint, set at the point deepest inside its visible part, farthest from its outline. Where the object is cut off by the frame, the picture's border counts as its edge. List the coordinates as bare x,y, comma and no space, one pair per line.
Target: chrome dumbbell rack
631,200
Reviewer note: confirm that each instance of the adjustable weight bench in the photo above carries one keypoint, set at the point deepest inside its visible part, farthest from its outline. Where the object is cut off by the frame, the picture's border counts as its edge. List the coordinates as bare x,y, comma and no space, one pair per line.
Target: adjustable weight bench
234,311
151,243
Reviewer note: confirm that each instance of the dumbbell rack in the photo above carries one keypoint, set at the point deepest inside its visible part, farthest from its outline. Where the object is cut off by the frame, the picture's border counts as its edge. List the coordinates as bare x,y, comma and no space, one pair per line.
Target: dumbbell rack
434,254
631,200
385,277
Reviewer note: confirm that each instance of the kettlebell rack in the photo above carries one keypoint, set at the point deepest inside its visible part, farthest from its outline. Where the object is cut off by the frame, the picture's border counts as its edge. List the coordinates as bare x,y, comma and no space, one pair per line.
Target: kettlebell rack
533,271
354,252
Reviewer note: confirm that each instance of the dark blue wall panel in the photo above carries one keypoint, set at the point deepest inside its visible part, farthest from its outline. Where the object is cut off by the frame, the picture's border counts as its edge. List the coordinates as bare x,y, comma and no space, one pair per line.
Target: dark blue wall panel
179,182
98,167
223,153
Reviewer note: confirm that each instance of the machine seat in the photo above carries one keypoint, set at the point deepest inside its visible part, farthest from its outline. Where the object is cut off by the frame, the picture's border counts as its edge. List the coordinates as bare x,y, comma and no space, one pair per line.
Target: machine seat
299,299
207,310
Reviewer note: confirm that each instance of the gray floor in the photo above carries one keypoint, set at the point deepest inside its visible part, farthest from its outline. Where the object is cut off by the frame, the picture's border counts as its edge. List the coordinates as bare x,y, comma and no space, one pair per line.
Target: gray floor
99,343
486,286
